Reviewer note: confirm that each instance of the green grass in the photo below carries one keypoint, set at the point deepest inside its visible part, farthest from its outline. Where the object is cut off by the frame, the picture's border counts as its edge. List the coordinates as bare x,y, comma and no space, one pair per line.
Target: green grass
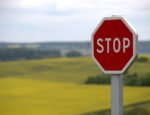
59,69
55,87
19,96
75,70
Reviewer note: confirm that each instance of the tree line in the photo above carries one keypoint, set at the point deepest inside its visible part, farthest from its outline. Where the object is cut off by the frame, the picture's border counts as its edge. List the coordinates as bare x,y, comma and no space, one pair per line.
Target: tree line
7,54
129,79
133,79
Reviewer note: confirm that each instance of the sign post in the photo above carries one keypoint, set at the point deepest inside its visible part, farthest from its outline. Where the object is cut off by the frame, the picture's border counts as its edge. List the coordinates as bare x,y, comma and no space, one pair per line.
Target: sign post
114,49
116,95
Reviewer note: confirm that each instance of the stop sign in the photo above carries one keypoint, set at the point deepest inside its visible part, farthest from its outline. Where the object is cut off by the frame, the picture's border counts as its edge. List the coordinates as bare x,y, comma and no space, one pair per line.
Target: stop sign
114,45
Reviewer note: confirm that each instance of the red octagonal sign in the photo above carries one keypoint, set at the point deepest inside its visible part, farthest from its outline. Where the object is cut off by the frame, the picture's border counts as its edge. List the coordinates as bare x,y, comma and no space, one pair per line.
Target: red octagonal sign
114,45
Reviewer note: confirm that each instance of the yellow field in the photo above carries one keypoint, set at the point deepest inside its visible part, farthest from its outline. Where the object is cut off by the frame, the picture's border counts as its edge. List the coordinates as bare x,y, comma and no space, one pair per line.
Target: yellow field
56,87
19,96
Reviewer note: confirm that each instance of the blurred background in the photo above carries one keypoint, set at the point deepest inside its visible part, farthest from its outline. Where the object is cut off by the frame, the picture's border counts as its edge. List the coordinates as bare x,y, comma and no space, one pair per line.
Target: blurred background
45,57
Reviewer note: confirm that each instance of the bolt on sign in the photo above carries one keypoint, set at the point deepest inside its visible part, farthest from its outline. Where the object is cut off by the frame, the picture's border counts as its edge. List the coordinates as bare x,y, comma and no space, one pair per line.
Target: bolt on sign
114,45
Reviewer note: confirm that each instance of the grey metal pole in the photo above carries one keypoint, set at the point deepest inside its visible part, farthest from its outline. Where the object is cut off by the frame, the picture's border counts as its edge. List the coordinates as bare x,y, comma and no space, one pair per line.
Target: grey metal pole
116,95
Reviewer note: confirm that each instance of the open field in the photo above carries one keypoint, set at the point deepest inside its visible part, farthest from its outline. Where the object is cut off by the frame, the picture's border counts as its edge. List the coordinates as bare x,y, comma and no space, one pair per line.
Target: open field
75,70
55,87
19,96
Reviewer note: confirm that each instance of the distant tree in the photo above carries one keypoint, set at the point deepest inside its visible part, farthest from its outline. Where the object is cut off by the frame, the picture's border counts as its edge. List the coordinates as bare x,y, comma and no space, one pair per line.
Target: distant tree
26,53
131,79
145,80
142,59
98,79
74,54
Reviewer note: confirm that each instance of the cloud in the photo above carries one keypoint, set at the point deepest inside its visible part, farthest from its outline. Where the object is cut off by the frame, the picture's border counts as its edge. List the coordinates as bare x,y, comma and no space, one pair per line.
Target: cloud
60,20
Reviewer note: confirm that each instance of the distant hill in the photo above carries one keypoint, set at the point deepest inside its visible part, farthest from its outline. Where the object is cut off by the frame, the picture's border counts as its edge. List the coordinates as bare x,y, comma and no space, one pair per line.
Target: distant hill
64,47
144,47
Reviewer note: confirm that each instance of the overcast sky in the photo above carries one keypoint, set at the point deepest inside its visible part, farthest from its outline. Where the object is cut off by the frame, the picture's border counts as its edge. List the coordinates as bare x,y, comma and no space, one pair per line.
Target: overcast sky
67,20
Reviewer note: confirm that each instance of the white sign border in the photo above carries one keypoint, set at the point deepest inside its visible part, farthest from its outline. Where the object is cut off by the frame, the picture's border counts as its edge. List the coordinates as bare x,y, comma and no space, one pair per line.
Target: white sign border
135,40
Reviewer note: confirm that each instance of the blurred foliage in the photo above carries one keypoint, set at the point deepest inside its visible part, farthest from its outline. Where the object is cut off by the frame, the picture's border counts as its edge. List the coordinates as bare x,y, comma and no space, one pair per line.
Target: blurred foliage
8,54
129,79
142,59
73,54
98,79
